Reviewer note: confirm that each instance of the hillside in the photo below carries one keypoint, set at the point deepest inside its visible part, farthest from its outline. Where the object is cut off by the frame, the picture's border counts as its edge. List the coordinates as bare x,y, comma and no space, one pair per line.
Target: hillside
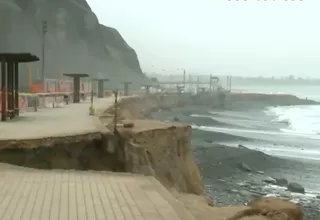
75,41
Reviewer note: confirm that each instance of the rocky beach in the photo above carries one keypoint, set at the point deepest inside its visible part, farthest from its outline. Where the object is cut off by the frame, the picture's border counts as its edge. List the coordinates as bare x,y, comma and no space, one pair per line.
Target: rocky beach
244,153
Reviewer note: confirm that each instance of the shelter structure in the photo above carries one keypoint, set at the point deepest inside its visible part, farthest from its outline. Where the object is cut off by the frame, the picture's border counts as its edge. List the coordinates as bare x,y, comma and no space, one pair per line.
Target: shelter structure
100,82
10,82
147,88
126,88
213,81
180,89
76,84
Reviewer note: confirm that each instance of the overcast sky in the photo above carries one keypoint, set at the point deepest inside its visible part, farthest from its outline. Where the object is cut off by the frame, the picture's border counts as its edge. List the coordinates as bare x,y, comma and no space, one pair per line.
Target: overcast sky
219,36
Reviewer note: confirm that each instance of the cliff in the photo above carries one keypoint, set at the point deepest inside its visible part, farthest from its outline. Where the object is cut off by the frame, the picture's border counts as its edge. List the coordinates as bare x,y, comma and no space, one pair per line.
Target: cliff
162,149
119,50
74,42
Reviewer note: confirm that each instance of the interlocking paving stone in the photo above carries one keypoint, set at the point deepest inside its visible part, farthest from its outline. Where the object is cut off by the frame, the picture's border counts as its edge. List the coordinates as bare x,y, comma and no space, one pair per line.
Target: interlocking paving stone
31,194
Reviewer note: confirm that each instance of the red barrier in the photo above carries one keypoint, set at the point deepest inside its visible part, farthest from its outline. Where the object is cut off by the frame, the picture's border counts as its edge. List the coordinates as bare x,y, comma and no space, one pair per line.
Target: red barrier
36,88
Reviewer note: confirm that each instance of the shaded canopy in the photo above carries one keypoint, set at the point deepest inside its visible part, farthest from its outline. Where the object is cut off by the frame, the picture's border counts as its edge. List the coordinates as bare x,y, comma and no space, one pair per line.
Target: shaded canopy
76,74
19,57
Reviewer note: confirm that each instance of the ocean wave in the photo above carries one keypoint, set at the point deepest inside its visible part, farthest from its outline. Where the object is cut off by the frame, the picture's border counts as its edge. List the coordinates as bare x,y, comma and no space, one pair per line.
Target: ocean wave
265,135
285,122
283,151
299,119
207,120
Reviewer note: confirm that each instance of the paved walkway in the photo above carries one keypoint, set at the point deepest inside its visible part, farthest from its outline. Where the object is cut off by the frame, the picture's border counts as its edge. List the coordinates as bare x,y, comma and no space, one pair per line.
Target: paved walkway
70,119
30,194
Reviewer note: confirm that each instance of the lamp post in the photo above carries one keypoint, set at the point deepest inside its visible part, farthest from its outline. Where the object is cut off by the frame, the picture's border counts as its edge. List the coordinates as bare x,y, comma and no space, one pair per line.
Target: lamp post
184,78
44,31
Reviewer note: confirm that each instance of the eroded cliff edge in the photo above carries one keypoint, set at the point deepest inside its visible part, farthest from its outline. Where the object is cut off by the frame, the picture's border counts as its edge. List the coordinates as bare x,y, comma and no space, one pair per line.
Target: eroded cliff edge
157,148
74,42
162,149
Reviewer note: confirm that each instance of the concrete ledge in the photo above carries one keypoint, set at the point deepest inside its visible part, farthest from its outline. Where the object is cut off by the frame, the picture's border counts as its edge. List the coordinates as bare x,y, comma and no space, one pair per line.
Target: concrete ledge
48,141
49,127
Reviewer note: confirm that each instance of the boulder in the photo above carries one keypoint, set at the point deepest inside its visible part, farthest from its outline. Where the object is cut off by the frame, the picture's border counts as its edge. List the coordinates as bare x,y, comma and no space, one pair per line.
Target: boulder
245,167
270,180
176,118
280,181
209,202
296,187
281,209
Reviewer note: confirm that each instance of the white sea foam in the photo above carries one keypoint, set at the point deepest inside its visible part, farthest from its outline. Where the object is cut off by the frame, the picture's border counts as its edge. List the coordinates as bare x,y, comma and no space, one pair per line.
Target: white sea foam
300,119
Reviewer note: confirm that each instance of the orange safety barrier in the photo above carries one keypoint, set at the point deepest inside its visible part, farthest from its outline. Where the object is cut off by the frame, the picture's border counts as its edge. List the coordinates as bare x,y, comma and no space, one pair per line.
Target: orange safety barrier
52,86
59,85
36,88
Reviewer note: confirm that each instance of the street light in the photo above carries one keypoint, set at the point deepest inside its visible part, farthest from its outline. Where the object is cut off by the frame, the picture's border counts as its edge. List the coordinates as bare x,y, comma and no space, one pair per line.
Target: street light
44,31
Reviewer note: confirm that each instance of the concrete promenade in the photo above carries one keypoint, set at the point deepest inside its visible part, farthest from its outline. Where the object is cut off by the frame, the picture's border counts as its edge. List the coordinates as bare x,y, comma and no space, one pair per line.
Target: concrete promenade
72,119
32,194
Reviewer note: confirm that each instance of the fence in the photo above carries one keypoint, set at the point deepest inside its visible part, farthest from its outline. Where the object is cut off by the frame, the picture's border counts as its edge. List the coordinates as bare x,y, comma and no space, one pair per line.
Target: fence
59,86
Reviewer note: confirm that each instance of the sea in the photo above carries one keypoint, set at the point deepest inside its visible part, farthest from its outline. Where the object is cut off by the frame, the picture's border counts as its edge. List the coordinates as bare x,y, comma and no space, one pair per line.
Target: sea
288,132
283,131
295,127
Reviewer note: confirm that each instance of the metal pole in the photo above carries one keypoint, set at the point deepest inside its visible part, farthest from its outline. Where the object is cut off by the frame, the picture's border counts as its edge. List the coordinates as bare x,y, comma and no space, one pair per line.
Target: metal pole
16,88
55,93
115,110
184,79
198,79
227,84
44,31
10,88
76,89
3,90
30,78
190,83
91,98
